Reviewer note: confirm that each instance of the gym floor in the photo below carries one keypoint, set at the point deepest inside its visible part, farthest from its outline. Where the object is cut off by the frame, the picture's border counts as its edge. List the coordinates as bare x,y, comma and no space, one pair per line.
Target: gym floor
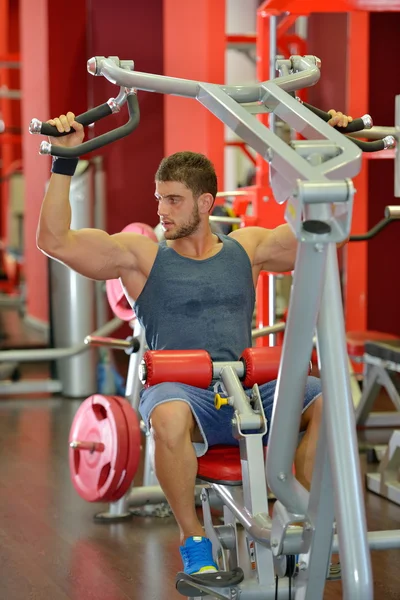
50,547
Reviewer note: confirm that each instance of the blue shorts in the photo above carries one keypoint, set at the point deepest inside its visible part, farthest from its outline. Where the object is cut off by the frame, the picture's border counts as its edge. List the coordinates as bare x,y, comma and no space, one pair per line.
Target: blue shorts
214,425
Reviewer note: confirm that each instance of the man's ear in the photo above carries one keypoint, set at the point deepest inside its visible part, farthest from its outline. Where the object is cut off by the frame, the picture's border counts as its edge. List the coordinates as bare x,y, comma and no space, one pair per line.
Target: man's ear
205,202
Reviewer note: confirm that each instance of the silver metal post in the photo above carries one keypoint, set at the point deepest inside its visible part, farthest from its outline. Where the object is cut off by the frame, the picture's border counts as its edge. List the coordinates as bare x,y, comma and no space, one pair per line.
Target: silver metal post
237,366
232,220
99,222
248,418
232,194
377,132
255,496
289,395
272,63
133,383
108,342
262,331
46,354
119,508
377,540
272,279
318,533
272,73
258,528
342,440
72,298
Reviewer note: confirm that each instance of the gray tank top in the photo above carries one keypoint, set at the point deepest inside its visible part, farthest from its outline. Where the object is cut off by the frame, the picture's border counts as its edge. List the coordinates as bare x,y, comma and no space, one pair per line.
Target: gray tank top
205,304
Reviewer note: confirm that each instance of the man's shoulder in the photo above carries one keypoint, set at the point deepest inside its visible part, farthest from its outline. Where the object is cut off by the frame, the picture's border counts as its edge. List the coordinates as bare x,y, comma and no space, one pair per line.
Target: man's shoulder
250,235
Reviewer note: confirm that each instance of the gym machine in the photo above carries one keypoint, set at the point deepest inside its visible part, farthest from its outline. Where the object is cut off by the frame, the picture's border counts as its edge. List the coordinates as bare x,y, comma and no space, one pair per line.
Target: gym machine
73,388
313,177
357,340
360,351
77,308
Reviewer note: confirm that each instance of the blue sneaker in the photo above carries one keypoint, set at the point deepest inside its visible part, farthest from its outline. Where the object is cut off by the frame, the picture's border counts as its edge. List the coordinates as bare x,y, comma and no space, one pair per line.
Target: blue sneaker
197,556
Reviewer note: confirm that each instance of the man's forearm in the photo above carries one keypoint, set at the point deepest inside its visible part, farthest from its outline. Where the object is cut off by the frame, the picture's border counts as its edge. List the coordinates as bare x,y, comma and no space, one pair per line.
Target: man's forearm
55,214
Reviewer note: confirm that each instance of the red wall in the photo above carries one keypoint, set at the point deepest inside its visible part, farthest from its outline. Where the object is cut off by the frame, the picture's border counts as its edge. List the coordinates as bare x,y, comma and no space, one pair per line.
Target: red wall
54,79
358,76
10,150
134,32
194,48
327,39
36,103
383,251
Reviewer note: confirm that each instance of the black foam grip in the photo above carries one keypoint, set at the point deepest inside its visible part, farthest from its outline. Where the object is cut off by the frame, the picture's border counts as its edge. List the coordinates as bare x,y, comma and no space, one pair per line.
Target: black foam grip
363,237
355,125
105,138
91,116
374,146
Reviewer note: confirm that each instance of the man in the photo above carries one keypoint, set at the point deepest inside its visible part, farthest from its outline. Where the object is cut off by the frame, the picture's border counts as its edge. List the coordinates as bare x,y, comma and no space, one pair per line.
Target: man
193,290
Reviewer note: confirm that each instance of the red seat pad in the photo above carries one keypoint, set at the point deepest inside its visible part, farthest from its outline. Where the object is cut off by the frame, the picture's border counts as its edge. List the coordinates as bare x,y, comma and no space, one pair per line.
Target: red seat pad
221,464
356,340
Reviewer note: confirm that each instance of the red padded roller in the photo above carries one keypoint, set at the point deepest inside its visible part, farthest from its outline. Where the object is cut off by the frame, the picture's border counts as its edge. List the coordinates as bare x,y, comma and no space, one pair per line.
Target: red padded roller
221,464
261,364
356,340
193,367
115,293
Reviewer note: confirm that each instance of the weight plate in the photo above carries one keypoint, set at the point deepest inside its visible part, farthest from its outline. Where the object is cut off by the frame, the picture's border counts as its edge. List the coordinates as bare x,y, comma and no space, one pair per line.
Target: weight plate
134,447
96,475
118,301
115,293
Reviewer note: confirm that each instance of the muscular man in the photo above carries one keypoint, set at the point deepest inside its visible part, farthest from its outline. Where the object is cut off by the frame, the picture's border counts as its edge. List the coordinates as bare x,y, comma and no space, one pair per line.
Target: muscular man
195,290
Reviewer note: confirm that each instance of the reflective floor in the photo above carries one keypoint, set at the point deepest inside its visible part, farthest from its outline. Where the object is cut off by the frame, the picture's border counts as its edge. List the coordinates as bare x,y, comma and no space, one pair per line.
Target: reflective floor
50,547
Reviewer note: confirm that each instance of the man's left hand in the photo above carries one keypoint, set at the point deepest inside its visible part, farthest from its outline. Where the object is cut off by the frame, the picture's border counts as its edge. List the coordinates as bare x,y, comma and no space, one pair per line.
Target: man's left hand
339,119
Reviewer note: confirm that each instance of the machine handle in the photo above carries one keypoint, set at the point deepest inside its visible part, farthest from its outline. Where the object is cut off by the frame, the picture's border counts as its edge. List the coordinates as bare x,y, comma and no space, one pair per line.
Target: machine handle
359,124
101,140
392,213
385,143
87,118
364,237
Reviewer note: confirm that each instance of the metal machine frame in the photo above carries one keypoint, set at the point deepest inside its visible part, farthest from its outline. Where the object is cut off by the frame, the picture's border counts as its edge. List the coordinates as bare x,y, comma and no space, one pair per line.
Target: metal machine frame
313,176
271,540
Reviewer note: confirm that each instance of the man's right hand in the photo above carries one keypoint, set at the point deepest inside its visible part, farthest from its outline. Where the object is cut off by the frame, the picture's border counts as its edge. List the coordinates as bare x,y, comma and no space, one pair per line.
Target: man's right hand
66,123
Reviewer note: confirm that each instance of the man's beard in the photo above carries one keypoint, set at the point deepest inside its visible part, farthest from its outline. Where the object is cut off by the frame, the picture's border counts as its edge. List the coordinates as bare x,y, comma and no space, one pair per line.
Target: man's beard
187,228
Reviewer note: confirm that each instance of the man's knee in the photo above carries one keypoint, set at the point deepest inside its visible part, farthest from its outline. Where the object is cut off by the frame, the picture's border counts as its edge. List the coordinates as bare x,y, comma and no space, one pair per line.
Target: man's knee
171,422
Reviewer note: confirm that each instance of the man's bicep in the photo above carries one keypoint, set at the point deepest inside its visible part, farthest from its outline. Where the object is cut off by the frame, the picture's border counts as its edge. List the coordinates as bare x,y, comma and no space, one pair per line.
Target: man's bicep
96,254
276,250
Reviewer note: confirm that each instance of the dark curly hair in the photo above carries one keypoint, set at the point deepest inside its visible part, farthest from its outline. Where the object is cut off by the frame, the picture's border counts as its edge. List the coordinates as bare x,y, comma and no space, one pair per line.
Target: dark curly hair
195,170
